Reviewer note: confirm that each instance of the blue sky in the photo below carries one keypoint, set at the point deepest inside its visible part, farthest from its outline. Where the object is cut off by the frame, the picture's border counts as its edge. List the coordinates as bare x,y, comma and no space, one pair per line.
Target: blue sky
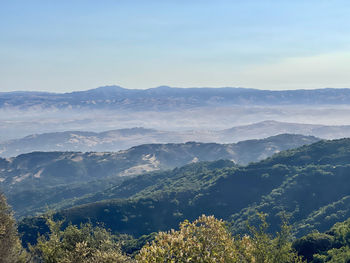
61,46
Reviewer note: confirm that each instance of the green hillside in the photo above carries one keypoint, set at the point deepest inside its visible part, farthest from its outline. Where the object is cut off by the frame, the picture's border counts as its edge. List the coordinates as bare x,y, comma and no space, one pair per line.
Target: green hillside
308,183
36,181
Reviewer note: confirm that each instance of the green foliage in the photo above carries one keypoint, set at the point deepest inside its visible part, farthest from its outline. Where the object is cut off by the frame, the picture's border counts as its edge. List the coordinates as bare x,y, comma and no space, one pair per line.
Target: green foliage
84,244
132,246
312,244
334,255
11,250
207,240
204,240
332,246
265,248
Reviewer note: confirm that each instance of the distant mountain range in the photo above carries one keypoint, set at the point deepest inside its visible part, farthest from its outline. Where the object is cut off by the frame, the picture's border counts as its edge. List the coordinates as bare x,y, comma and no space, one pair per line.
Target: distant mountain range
32,181
167,98
115,140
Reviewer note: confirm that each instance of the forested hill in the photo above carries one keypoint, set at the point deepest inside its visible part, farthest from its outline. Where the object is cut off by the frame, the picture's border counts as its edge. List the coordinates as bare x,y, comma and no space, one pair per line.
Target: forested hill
165,98
36,180
310,183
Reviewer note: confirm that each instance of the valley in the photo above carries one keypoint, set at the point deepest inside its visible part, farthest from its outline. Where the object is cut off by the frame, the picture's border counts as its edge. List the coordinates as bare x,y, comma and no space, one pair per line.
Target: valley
123,139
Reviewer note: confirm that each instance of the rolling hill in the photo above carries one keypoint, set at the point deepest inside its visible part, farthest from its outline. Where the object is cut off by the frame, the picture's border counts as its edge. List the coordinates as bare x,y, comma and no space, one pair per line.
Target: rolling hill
36,180
309,183
121,139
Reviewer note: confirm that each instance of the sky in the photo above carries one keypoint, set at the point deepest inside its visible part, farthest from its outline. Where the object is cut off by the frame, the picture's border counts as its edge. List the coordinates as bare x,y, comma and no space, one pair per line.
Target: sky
66,45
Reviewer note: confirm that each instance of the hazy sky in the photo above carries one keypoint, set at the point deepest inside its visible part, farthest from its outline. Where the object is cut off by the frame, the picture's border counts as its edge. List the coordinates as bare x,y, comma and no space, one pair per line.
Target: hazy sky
67,45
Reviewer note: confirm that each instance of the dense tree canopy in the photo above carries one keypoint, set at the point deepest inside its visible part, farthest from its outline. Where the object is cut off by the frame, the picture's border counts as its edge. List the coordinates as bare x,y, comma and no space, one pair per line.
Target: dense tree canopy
207,240
332,246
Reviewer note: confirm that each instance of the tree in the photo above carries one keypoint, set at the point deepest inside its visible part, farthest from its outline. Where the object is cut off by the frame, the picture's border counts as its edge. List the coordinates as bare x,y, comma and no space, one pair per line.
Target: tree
11,250
77,245
314,243
334,255
204,240
266,249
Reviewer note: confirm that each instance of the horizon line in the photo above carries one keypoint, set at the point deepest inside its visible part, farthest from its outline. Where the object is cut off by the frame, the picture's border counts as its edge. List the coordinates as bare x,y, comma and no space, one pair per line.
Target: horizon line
168,87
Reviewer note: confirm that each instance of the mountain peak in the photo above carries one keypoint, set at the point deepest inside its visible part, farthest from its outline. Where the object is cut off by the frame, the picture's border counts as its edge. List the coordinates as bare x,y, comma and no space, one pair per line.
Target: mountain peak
163,87
108,88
